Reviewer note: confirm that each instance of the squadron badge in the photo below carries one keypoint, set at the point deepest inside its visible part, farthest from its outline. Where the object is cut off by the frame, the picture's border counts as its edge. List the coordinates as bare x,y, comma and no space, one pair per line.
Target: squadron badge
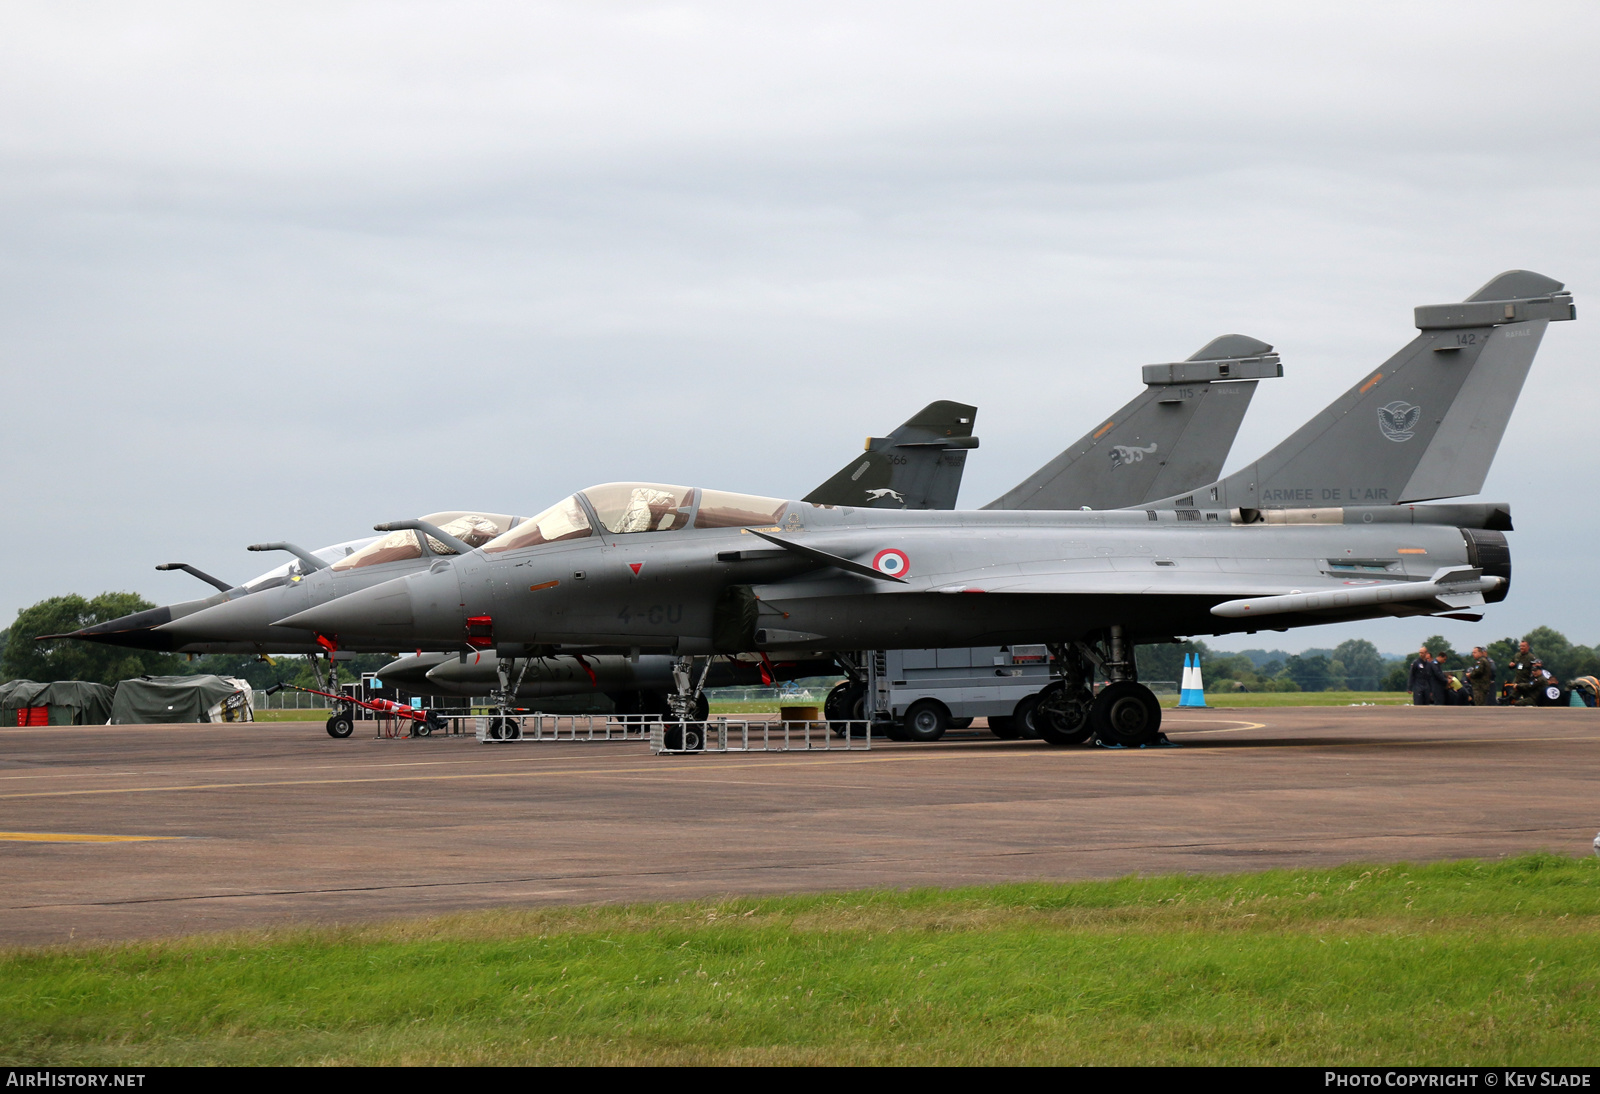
1398,420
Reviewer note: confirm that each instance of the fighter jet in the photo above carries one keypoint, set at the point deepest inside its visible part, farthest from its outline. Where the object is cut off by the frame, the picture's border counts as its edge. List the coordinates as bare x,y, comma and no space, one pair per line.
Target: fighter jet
1185,422
187,627
138,630
697,572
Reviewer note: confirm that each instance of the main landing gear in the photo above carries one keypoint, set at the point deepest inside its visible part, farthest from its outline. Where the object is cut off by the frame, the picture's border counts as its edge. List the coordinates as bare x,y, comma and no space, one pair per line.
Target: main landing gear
1124,714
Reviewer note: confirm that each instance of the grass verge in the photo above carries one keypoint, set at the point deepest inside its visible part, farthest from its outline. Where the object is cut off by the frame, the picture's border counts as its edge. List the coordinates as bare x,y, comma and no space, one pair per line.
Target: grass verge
1252,699
1455,963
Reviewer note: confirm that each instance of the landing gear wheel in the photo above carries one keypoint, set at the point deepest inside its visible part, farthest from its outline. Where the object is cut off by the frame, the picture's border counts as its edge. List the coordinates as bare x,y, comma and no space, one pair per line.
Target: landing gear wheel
1004,726
1126,713
1062,716
340,724
504,729
926,721
844,704
702,707
688,737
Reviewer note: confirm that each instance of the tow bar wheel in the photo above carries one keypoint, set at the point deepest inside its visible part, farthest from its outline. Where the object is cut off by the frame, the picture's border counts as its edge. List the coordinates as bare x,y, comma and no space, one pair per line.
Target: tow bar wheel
340,724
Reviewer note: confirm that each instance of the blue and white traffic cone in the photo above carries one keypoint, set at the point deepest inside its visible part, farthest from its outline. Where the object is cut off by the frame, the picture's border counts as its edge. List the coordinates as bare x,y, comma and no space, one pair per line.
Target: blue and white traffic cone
1192,691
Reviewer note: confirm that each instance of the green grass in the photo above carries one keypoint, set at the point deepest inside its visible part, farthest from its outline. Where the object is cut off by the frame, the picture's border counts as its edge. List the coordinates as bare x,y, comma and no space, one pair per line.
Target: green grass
1298,698
1456,963
292,715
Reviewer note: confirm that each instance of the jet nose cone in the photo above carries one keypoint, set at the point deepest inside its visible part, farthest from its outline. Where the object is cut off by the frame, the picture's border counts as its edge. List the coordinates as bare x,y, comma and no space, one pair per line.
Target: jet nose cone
419,608
477,668
137,631
385,607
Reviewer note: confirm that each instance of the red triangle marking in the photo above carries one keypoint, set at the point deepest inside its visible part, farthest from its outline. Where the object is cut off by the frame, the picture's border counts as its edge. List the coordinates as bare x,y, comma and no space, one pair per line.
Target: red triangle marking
635,566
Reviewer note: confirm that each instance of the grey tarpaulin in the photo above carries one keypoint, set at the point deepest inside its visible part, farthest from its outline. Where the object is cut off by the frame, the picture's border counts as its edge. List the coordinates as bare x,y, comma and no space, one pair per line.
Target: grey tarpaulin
150,699
68,702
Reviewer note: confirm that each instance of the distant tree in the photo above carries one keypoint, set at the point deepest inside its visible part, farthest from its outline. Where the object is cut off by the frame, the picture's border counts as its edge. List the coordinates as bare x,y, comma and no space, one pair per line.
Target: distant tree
1437,644
1394,677
68,659
1308,673
1585,662
1363,664
1336,676
281,668
1551,647
1164,661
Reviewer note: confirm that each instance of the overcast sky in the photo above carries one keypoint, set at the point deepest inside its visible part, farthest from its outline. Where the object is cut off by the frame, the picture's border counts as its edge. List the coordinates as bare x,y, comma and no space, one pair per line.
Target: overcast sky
282,271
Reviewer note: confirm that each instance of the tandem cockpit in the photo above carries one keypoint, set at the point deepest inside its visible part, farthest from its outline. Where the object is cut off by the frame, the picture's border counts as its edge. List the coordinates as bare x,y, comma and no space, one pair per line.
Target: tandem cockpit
473,529
621,508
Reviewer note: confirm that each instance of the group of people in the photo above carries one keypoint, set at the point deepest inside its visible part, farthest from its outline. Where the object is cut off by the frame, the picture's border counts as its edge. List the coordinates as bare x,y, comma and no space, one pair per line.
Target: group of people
1431,685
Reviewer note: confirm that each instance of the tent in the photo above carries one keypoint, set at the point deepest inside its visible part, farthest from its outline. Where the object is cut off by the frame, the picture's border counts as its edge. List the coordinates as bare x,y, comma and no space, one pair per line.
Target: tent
59,703
150,699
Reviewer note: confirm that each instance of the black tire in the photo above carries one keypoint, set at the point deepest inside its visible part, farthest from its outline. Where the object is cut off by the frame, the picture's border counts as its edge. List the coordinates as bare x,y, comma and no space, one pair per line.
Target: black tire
843,703
340,724
1004,726
1062,716
961,723
846,703
1126,713
423,728
504,729
1022,719
702,707
925,721
687,736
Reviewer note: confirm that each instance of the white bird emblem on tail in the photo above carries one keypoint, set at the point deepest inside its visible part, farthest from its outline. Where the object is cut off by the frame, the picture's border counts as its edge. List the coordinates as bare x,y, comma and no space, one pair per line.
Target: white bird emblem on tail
1398,420
1122,453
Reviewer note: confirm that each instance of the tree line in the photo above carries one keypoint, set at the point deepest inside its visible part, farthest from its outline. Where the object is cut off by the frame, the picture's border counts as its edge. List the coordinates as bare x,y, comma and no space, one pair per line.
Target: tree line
21,658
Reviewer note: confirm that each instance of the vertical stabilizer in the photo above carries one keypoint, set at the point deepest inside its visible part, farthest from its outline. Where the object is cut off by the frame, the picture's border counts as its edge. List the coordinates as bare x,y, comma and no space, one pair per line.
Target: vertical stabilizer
1425,424
1173,436
918,466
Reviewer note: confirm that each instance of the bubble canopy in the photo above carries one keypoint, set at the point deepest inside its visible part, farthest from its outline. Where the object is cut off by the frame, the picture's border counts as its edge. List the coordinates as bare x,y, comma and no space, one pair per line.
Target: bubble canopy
474,529
625,508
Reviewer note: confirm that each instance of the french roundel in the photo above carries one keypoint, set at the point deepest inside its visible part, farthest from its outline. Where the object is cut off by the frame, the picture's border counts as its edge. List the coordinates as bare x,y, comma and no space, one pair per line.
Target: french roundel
892,562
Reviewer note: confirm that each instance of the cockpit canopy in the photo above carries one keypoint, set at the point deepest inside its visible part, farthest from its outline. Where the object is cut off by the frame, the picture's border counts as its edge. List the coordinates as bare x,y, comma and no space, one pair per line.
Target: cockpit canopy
627,507
474,529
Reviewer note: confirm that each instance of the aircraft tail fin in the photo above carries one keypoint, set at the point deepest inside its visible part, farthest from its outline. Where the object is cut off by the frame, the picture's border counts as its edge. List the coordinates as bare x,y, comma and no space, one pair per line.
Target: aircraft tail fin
1423,425
918,466
1172,436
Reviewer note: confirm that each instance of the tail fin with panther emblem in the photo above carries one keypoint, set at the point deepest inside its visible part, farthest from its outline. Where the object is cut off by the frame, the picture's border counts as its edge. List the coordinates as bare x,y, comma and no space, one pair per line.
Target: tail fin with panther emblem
1171,437
918,466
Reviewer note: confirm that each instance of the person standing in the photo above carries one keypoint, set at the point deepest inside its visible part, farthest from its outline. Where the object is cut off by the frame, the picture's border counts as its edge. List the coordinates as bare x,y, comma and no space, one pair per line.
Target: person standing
1419,679
1481,678
1443,694
1522,669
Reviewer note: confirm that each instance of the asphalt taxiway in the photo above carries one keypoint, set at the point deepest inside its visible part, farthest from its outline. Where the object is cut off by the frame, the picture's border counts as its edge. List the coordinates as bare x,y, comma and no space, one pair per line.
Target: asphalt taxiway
138,831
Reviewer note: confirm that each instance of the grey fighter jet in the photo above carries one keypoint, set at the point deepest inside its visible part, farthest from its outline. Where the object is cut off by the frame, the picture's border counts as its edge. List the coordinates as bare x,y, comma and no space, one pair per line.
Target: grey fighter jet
1177,432
232,621
689,571
139,629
